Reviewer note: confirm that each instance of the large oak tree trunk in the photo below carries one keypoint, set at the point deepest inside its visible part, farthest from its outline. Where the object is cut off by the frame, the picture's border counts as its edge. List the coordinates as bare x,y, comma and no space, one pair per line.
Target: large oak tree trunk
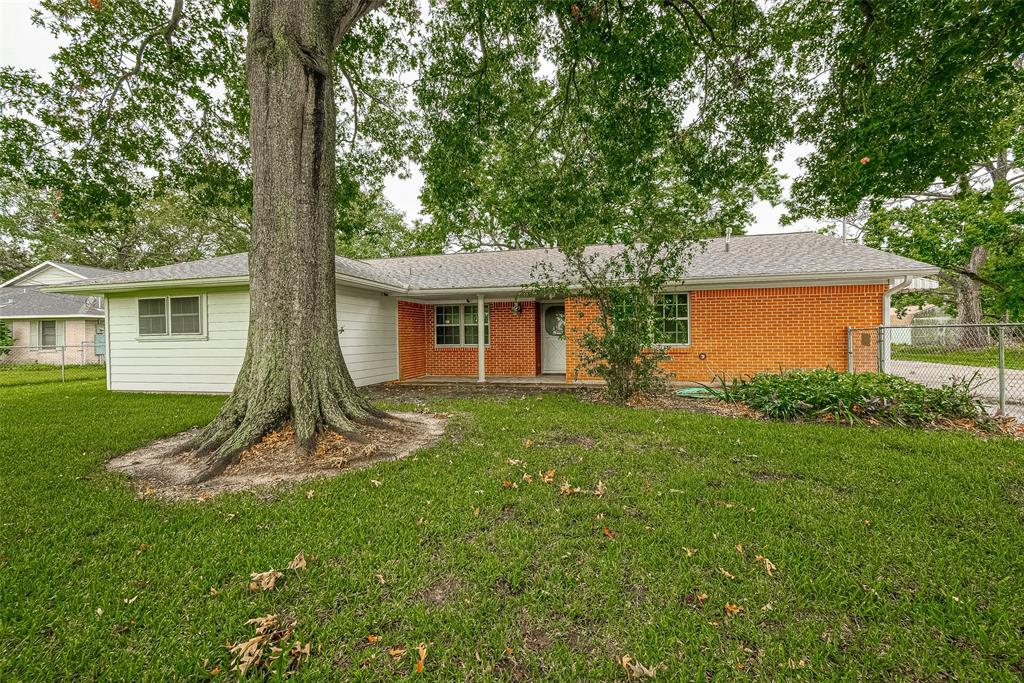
293,367
968,300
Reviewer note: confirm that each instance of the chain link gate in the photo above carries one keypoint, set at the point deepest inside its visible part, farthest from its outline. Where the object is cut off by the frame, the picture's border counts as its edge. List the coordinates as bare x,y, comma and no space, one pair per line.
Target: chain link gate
989,356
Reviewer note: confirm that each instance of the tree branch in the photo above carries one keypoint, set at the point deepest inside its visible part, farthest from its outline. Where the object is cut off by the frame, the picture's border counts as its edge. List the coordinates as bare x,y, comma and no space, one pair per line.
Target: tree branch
348,12
700,17
166,30
355,107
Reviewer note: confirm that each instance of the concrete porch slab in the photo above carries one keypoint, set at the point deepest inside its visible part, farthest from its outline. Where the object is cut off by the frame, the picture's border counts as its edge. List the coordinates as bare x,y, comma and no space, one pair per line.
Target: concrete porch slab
530,380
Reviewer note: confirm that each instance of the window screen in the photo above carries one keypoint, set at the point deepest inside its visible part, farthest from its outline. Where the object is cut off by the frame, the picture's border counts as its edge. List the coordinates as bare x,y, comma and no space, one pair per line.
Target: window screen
446,325
185,318
48,333
469,324
674,318
152,316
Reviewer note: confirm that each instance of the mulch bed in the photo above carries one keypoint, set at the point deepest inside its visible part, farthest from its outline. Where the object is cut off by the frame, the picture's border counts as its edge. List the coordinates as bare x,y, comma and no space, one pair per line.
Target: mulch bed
156,471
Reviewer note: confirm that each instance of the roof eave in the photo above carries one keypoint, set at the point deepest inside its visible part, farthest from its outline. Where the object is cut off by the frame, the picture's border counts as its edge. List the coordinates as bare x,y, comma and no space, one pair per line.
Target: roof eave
65,316
801,278
227,281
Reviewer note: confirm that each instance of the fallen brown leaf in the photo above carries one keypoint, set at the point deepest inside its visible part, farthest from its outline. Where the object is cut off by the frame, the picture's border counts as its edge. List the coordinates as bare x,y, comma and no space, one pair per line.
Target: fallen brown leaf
421,650
732,610
548,477
599,490
567,489
396,652
299,562
635,669
528,443
608,532
371,639
264,581
768,566
725,573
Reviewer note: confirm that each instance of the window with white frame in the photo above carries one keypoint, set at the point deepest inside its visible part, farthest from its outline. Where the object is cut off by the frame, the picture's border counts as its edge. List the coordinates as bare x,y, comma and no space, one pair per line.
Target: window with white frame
456,325
48,334
673,318
170,315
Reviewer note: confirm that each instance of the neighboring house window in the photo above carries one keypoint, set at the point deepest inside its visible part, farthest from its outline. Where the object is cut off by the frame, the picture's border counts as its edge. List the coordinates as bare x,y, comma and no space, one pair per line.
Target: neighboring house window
673,321
456,325
48,333
176,315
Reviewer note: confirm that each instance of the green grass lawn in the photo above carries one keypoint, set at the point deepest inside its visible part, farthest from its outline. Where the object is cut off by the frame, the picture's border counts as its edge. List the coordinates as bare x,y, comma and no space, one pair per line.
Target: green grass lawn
982,358
898,552
20,375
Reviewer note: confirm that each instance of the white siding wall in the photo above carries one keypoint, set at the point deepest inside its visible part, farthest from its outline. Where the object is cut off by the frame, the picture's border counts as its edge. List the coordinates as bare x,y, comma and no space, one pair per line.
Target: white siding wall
210,365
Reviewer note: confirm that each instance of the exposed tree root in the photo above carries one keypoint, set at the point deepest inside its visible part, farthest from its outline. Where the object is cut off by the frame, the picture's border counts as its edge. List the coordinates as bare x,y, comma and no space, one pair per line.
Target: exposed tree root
330,403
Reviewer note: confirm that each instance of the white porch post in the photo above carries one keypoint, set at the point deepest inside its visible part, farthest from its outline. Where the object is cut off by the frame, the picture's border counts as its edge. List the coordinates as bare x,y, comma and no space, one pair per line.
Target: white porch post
480,338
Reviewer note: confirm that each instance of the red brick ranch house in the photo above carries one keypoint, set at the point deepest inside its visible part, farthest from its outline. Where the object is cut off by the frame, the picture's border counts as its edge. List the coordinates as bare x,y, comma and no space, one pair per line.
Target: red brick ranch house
756,303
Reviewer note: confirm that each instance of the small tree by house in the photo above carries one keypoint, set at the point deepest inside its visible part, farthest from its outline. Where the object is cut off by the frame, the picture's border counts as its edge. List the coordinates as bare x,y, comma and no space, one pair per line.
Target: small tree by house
631,317
6,338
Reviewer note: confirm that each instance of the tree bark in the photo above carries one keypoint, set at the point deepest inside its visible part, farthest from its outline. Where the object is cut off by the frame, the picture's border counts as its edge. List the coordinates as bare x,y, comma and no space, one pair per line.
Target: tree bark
968,300
293,368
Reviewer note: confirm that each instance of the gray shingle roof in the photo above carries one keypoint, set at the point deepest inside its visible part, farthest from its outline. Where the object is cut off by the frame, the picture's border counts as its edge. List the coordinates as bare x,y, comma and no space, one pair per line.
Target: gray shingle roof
234,265
23,302
749,256
803,254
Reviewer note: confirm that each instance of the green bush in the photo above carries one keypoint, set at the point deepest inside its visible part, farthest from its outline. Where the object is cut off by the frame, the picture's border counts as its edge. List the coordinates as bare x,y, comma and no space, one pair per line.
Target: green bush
852,397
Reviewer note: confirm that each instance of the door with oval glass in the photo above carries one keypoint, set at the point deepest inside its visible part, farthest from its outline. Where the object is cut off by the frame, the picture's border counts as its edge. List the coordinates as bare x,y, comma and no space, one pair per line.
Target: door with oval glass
552,336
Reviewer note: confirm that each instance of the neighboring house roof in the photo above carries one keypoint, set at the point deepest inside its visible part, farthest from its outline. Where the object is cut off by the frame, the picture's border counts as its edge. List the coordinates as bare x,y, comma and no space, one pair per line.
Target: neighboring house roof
73,272
32,302
85,271
804,255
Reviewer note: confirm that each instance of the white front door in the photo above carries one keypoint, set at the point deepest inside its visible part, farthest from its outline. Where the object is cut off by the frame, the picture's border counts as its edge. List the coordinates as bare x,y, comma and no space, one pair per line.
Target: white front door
552,338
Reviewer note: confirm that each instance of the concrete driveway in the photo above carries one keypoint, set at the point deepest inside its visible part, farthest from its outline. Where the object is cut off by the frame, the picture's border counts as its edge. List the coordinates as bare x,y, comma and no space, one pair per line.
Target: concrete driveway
986,386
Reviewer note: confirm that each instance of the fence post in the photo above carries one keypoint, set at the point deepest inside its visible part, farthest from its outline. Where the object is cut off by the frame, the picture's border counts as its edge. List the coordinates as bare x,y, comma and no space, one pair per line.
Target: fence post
62,364
1002,370
880,343
849,349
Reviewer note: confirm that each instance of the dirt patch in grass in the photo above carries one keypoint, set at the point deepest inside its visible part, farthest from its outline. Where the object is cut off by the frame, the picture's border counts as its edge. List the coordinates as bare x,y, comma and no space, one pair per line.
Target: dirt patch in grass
439,593
157,471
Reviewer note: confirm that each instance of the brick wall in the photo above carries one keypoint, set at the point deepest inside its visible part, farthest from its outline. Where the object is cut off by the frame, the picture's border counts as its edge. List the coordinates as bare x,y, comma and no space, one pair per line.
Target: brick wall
744,331
79,342
412,339
513,350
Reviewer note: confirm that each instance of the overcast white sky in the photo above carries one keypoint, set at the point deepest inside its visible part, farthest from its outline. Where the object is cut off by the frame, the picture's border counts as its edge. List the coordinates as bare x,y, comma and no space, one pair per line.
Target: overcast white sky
27,46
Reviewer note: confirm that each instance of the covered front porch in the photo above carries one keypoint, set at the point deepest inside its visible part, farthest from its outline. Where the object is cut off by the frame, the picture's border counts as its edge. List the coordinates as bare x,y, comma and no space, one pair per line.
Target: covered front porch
480,337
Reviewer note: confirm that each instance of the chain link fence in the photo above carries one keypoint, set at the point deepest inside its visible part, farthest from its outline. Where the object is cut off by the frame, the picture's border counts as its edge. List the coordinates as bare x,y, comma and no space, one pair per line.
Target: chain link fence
990,357
21,365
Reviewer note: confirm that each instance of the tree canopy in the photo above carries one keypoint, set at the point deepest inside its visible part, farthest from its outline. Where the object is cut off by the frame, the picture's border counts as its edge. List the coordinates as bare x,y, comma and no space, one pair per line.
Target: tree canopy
535,122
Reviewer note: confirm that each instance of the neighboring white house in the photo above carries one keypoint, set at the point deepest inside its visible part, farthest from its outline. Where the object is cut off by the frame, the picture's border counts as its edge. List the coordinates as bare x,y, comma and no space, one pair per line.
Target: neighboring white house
48,327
